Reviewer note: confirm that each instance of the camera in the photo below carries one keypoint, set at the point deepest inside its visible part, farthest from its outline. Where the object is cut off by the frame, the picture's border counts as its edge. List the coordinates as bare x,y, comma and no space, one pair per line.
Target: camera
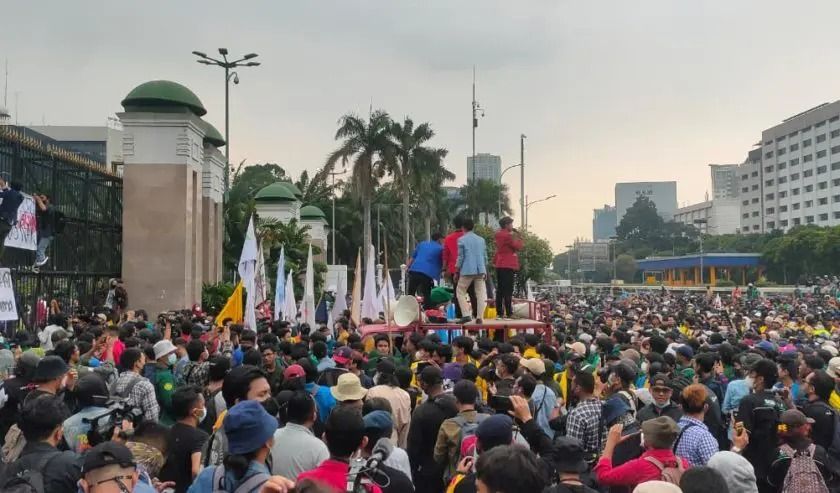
102,425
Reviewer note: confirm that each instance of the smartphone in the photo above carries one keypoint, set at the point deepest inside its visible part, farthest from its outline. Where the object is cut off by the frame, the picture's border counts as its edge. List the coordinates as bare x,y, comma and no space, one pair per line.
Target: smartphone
501,403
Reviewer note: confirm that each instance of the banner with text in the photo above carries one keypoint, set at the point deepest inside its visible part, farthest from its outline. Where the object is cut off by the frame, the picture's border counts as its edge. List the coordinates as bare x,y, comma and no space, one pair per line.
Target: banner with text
8,307
25,233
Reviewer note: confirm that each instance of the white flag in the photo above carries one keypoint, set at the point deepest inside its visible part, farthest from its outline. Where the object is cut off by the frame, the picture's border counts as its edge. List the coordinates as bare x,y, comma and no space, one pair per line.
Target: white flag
340,303
260,278
371,307
247,271
280,286
289,305
308,315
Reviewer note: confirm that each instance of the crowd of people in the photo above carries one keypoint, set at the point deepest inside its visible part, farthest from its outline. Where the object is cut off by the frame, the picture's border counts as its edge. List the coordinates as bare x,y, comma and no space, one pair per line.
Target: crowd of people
657,391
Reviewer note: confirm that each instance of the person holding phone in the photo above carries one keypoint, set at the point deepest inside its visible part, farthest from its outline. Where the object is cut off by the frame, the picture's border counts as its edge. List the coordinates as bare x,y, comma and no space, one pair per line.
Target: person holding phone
506,263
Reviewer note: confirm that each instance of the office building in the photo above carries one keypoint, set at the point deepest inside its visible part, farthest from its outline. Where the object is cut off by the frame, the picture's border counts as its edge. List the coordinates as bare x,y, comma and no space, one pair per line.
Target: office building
590,254
102,144
793,178
603,223
724,181
661,193
485,167
712,217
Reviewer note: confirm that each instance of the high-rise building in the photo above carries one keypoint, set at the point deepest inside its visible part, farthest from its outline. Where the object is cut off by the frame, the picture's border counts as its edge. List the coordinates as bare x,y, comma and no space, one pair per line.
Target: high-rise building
661,193
486,167
793,178
724,181
712,217
590,254
603,223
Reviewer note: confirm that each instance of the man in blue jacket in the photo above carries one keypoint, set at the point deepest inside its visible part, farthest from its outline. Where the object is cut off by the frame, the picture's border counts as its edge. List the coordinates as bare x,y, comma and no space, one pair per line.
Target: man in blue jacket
471,269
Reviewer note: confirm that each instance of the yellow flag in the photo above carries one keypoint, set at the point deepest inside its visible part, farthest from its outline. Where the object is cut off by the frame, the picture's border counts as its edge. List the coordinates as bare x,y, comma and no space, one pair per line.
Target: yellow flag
233,307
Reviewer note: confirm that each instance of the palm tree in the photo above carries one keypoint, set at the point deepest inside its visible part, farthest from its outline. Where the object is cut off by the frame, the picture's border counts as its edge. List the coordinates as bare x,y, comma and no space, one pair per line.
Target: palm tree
483,196
430,175
414,165
368,146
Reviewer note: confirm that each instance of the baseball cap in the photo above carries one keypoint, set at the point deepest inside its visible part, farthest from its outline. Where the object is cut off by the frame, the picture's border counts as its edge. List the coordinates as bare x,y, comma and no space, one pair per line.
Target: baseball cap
293,371
534,365
343,355
107,454
378,420
495,430
578,348
686,351
795,418
660,380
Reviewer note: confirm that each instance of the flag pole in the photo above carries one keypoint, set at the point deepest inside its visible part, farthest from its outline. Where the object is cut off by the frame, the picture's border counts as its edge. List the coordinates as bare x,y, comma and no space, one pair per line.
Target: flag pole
388,301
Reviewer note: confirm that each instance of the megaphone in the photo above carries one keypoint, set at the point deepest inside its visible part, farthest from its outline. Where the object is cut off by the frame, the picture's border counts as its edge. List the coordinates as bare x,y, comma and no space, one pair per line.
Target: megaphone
407,311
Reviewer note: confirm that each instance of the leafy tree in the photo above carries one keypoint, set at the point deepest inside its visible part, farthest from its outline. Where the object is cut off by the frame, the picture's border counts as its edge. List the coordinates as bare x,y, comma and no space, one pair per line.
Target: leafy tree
625,267
415,166
641,223
534,258
367,145
482,197
294,240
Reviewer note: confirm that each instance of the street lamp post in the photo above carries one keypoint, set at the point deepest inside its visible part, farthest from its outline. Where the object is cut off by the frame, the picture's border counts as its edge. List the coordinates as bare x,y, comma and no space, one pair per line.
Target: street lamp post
569,258
613,240
227,65
529,204
523,206
333,175
500,185
696,222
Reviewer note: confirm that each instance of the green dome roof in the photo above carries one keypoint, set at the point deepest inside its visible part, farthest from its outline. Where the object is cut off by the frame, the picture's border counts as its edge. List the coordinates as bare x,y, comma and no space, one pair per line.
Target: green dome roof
276,192
162,95
212,136
312,212
293,188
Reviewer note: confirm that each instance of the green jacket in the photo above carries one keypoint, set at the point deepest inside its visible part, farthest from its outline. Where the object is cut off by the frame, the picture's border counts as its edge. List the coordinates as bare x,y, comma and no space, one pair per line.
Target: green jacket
164,388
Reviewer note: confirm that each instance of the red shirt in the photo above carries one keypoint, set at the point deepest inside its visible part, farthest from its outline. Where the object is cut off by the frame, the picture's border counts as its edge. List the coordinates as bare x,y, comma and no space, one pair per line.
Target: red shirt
635,471
450,250
117,351
333,473
506,248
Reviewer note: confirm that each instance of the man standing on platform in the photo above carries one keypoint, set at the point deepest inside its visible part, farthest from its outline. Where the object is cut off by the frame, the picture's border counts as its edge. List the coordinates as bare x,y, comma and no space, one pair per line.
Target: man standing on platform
506,263
472,269
424,268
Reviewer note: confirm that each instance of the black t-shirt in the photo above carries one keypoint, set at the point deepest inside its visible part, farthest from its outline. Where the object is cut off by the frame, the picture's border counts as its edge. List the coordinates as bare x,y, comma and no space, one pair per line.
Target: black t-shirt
182,442
46,221
822,431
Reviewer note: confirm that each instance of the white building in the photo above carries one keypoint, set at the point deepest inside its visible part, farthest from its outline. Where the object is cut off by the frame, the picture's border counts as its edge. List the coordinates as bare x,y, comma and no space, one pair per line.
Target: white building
487,167
717,217
794,177
590,254
724,181
661,193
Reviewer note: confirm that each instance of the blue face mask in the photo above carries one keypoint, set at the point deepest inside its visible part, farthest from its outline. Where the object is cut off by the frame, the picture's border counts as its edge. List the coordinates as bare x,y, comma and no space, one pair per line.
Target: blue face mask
172,359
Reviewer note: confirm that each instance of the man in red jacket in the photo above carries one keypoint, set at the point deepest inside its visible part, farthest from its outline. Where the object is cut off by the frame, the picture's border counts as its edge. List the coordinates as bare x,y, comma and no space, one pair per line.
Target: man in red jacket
450,258
506,263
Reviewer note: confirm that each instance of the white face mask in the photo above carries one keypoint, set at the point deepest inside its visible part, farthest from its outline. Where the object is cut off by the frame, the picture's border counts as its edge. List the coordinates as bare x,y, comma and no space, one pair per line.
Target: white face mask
593,348
498,373
201,417
645,367
172,359
750,382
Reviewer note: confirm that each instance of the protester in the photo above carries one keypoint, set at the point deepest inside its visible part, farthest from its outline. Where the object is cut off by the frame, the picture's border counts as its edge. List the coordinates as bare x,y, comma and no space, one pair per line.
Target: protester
694,442
471,269
506,263
424,267
250,434
297,436
185,439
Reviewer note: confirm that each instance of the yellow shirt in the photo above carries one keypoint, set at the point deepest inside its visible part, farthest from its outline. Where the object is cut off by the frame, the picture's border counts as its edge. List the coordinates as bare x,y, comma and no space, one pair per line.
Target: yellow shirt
834,400
531,353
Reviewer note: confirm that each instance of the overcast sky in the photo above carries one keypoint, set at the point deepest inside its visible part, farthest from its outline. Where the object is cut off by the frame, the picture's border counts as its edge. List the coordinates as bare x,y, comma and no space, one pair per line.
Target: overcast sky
606,91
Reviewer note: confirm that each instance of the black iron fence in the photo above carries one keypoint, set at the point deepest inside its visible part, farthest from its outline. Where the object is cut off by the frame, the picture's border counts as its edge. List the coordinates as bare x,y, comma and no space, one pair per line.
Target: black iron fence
89,249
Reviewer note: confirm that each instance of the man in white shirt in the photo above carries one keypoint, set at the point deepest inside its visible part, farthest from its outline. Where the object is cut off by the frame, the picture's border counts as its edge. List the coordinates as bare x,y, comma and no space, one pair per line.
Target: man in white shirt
296,449
56,323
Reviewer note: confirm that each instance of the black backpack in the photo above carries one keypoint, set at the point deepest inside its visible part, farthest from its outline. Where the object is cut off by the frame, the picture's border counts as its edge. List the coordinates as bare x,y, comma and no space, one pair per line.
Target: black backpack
30,480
